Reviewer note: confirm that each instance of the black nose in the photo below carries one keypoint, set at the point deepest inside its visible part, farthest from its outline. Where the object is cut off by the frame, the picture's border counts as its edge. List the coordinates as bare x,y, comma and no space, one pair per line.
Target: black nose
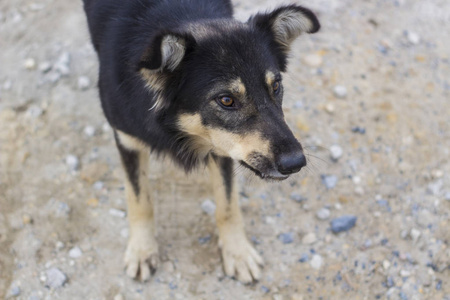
291,163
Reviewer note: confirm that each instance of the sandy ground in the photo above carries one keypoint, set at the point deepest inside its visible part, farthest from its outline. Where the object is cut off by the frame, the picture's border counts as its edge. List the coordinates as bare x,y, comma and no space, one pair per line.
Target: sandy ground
62,225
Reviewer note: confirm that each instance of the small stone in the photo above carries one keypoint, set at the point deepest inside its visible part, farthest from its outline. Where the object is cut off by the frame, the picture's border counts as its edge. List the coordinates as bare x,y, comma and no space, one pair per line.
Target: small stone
30,64
84,83
14,291
204,239
336,152
59,245
413,37
270,220
34,111
340,91
62,209
415,234
304,258
447,196
297,297
313,60
329,108
329,181
93,202
45,67
62,64
298,198
118,297
286,238
386,264
404,273
26,219
343,223
360,130
98,185
53,77
75,252
316,261
323,213
277,297
73,162
55,278
309,239
208,207
434,188
356,180
117,213
89,131
7,85
436,174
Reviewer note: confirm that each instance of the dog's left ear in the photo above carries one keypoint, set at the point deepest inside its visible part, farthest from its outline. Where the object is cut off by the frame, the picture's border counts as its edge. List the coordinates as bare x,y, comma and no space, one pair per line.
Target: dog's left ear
284,25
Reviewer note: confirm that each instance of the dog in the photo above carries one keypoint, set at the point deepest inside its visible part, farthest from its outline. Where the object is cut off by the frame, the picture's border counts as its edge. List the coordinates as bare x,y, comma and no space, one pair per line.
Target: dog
184,79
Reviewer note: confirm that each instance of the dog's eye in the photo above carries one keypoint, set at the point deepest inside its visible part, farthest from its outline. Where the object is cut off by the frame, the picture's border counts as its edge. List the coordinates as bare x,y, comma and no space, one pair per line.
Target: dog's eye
226,101
276,87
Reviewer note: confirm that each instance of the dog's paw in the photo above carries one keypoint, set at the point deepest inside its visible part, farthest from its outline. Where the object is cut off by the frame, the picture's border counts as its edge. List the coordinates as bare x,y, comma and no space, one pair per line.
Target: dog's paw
141,257
240,259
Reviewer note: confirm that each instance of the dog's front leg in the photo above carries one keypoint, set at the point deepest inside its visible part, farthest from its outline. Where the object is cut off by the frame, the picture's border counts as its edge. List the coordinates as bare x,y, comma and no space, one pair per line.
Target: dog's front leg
239,257
141,256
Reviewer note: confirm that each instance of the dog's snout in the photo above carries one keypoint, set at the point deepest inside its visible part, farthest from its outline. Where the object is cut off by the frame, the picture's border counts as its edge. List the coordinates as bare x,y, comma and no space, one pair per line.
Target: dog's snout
291,163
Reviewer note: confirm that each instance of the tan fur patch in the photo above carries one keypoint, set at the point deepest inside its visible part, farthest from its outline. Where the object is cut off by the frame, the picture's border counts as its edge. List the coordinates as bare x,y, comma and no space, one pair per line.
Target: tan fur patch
237,87
223,142
270,78
130,142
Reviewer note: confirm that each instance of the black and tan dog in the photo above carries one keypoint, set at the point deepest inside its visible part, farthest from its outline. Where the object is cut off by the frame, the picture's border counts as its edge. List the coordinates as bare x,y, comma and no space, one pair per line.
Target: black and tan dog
182,77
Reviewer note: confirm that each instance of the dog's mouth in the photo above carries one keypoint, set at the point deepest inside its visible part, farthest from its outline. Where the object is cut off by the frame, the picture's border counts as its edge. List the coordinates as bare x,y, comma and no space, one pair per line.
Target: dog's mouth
265,175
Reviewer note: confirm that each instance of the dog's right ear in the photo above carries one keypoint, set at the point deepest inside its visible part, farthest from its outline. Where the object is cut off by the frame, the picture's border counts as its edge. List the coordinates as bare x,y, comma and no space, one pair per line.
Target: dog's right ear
165,52
160,60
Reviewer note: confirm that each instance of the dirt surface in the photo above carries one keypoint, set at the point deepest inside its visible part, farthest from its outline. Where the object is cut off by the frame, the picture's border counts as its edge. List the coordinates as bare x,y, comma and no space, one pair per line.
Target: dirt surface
374,83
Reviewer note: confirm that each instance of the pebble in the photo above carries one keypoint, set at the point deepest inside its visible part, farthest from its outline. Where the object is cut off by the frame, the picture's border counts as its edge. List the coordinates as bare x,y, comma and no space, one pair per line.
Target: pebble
360,130
45,67
98,185
208,207
286,238
313,60
298,198
297,297
55,278
304,258
323,213
343,223
309,239
13,292
30,64
59,245
89,131
336,152
26,219
434,188
34,111
73,162
316,261
340,91
7,85
415,234
329,181
386,264
329,108
84,83
404,273
118,297
117,213
62,209
75,252
447,196
413,37
62,64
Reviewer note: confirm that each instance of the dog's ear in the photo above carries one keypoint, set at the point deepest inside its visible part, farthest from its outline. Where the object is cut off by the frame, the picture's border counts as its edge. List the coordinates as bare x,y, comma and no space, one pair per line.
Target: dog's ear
159,63
284,25
165,52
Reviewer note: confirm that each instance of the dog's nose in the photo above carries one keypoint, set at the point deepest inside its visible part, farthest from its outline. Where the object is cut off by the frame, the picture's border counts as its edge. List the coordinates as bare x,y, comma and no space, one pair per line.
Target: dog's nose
291,163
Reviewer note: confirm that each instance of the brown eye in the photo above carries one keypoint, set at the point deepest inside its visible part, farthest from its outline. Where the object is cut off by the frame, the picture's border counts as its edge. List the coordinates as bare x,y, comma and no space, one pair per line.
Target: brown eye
276,87
226,101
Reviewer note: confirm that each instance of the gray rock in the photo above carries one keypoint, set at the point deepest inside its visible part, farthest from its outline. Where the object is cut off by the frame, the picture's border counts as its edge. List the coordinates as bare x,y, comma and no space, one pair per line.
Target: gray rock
117,213
343,223
329,181
98,185
84,83
14,291
45,67
30,64
323,213
298,198
336,152
316,261
62,65
75,252
286,238
309,239
415,234
340,91
89,131
413,38
208,207
55,278
34,111
73,162
434,188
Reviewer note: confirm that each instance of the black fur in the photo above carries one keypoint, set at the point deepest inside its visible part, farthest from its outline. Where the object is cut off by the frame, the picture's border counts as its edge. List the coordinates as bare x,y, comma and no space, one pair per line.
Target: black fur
128,35
226,170
130,161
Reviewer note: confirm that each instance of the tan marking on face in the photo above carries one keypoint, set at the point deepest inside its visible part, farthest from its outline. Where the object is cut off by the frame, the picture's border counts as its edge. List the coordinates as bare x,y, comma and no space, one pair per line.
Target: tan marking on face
237,87
222,142
270,78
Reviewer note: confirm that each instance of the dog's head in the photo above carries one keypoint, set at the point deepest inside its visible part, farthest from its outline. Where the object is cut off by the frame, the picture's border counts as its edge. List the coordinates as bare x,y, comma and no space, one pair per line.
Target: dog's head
223,79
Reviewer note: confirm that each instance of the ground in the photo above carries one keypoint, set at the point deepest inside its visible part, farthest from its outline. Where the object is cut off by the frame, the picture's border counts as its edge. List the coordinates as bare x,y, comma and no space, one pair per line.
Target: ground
374,83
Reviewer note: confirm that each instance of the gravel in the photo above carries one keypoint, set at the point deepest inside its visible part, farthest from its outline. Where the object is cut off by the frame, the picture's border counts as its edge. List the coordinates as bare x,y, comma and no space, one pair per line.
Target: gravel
62,65
309,239
298,198
343,223
323,213
89,131
340,91
316,261
413,37
336,152
313,60
84,83
286,238
75,252
208,207
55,278
117,213
330,181
72,162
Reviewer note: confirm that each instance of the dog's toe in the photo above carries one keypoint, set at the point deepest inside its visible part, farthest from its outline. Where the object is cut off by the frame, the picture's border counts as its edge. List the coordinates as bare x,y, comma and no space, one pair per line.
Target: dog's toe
141,259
